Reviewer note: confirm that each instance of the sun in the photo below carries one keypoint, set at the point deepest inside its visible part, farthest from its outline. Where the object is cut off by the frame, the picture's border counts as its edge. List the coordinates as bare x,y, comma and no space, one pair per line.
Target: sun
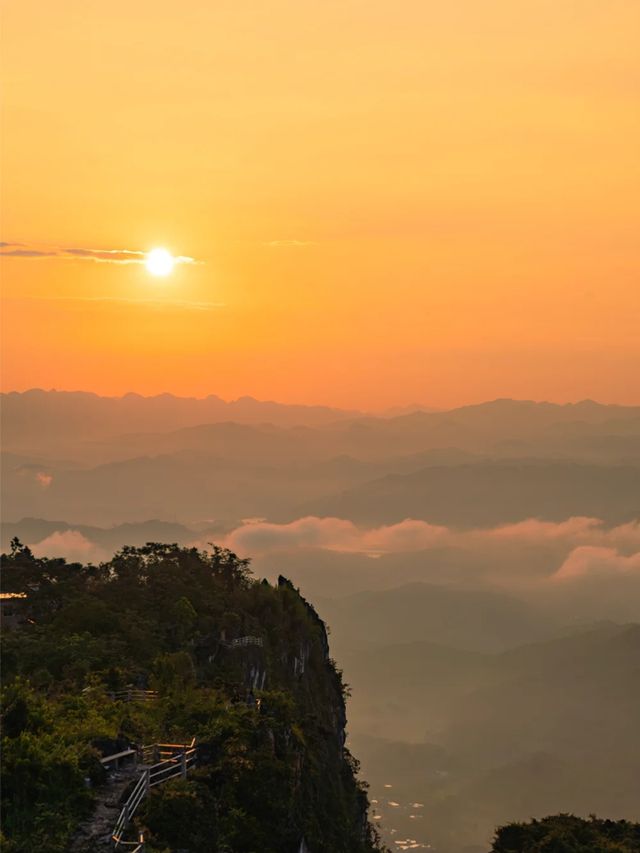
159,262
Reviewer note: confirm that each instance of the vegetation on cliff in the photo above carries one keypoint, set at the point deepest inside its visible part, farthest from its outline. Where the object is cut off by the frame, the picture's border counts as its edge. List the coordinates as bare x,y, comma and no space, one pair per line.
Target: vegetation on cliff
269,716
566,833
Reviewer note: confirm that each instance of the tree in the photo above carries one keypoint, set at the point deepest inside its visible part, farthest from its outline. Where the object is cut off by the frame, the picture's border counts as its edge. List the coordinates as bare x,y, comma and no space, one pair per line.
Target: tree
566,833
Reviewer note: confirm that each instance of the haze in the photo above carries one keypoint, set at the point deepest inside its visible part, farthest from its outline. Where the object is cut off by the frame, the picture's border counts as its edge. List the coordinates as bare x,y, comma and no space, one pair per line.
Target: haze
479,569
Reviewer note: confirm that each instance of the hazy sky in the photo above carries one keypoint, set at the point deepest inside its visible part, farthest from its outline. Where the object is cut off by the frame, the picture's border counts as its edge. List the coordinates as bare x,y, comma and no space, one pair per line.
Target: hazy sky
391,201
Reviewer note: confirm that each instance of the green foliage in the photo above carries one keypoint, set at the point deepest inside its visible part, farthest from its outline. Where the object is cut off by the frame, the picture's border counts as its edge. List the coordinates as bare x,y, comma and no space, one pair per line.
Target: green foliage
183,804
173,673
46,756
269,772
566,833
184,619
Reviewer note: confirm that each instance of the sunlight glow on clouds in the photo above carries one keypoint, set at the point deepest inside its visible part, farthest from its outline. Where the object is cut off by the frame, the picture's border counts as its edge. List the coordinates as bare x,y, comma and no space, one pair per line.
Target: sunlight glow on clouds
568,551
71,545
592,561
336,534
103,256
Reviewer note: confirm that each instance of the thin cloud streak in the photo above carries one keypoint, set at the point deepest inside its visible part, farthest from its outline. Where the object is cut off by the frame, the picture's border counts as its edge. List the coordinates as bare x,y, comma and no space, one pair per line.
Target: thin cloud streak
27,253
102,256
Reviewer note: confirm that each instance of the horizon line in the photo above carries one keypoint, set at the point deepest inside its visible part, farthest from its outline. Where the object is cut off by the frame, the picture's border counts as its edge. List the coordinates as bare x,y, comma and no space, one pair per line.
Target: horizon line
427,407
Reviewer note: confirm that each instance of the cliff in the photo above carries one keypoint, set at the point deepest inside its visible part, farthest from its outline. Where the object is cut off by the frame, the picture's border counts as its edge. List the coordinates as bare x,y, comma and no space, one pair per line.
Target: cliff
238,665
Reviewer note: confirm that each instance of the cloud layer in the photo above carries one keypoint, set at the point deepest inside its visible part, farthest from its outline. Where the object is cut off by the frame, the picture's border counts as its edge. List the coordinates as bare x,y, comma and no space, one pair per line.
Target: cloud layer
336,534
593,561
525,553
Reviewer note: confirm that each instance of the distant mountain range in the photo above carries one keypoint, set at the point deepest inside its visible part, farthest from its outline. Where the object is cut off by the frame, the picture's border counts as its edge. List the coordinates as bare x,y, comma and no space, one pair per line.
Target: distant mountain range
34,530
103,461
490,492
38,417
42,418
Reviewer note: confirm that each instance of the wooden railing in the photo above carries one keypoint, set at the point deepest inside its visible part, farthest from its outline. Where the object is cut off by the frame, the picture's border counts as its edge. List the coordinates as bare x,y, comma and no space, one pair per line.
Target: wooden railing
245,641
158,752
114,760
176,761
134,846
134,694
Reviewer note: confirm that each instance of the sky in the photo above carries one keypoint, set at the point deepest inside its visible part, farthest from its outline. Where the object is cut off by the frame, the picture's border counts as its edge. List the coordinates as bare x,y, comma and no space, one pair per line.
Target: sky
384,202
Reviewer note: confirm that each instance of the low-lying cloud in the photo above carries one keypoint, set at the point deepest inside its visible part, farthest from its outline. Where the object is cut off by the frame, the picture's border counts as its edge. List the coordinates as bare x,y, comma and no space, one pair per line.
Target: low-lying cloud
591,561
524,553
72,545
336,534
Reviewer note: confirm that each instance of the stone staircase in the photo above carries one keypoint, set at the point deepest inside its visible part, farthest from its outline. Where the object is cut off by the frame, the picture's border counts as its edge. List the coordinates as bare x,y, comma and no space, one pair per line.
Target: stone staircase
94,834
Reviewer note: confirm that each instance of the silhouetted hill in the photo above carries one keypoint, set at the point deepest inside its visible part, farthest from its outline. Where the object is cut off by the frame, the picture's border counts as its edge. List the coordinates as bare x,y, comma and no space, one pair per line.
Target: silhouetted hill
104,461
45,420
467,619
195,485
34,418
503,428
487,493
34,530
187,485
544,726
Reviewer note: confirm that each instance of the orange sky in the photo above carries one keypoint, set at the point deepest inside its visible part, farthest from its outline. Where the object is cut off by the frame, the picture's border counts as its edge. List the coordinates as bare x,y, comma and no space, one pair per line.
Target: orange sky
392,201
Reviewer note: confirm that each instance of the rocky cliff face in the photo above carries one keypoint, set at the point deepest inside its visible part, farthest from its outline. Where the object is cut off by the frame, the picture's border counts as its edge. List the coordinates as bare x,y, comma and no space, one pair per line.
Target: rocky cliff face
290,697
241,666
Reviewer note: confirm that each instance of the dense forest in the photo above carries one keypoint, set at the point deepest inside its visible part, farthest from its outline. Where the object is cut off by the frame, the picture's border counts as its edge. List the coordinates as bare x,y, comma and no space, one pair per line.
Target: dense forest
273,773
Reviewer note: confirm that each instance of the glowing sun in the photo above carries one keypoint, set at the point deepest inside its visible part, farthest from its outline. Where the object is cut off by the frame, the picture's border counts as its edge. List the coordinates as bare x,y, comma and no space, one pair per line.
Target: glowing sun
159,262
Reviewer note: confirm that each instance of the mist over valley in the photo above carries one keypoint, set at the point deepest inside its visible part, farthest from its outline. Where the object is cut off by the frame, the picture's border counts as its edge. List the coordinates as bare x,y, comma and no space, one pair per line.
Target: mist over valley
479,570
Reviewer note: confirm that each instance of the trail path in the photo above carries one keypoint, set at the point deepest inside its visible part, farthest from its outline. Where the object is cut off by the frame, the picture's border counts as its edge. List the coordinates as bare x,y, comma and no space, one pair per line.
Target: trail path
94,834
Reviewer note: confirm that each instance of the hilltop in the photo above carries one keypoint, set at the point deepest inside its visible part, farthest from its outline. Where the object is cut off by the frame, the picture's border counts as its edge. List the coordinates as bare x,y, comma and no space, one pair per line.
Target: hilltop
267,712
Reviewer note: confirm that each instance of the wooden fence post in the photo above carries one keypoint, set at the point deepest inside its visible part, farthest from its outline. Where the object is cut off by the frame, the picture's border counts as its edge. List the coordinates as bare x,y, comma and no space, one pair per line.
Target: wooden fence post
147,781
183,764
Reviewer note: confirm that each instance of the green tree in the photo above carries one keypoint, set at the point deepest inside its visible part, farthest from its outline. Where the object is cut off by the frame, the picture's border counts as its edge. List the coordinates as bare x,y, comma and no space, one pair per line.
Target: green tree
566,833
